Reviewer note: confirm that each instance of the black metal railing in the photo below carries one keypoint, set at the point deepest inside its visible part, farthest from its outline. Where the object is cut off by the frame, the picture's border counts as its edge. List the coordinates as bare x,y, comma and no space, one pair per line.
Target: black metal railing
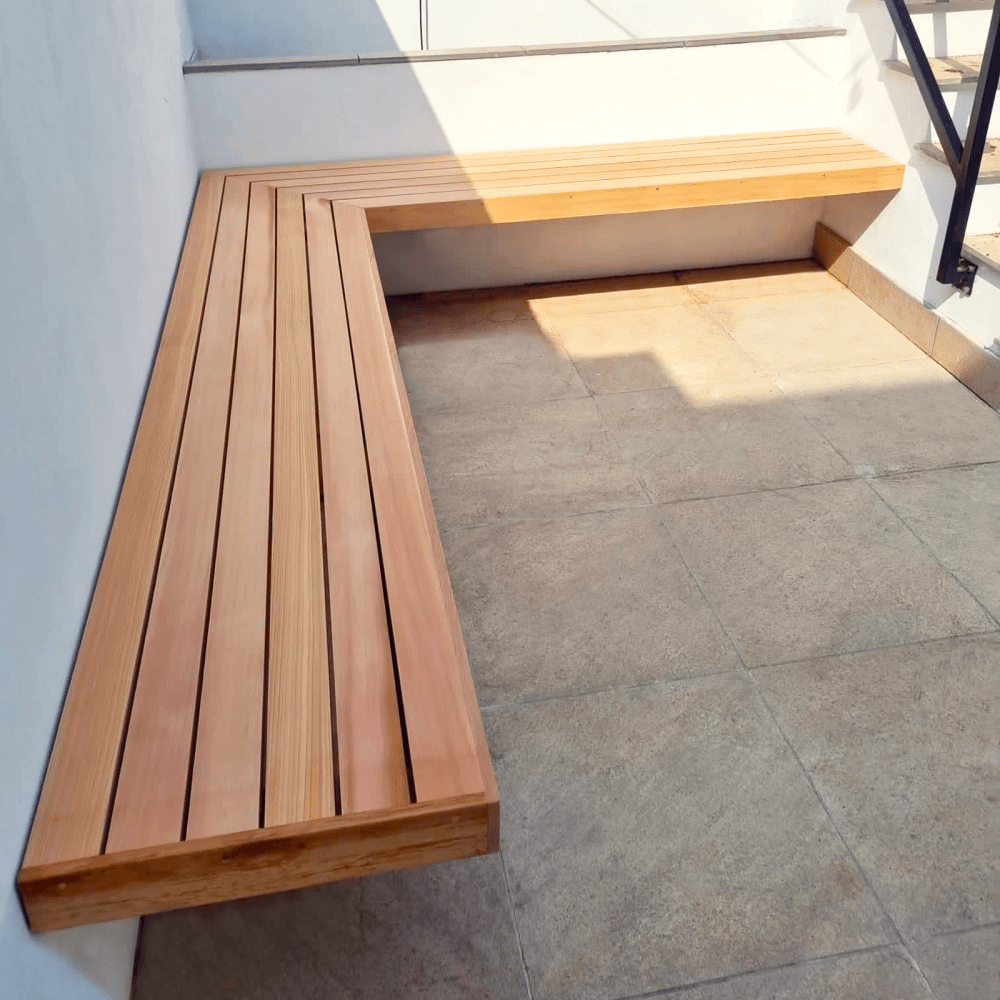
964,158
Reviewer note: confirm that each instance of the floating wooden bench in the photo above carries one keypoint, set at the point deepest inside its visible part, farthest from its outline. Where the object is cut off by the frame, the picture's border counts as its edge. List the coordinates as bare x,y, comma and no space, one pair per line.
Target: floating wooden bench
272,690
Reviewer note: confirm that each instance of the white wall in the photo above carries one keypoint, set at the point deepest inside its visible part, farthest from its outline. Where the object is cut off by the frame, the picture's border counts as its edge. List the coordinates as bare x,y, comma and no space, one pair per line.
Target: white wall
885,109
461,23
97,174
585,98
400,109
227,29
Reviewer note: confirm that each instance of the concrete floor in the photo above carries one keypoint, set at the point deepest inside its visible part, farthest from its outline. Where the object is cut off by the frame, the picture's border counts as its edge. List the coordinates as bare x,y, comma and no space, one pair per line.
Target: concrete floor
726,548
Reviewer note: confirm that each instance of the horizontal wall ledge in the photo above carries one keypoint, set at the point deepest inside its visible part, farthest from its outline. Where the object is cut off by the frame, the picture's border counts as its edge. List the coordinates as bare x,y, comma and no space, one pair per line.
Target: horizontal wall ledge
503,52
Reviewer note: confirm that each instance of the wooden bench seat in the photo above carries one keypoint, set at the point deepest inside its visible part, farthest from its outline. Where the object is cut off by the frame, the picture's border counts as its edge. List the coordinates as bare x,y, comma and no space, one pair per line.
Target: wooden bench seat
272,689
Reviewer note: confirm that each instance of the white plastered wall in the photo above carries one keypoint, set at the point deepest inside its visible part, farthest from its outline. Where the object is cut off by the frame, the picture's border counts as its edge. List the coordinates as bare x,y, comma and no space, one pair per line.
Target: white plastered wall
97,174
884,108
226,29
402,109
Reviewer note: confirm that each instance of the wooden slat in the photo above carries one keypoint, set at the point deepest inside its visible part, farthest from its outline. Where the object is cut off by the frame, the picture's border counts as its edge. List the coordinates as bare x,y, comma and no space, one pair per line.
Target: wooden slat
152,786
371,763
668,178
299,776
738,187
611,170
73,808
225,781
442,750
451,609
389,170
252,863
503,156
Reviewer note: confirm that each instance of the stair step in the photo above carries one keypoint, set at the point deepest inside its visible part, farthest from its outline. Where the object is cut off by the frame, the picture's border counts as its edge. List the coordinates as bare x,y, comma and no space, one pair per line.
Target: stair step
990,169
950,71
984,250
947,6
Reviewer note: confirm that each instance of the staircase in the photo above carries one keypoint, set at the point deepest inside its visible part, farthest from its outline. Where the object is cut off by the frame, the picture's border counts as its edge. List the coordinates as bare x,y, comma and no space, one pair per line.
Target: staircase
974,159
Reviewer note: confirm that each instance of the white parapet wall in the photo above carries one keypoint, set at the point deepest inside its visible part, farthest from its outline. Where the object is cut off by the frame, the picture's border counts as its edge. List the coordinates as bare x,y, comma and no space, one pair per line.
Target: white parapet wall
468,105
225,29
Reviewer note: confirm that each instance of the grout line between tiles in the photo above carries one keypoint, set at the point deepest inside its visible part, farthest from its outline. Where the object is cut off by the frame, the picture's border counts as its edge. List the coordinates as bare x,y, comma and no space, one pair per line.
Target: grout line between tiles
736,976
956,932
795,756
914,644
847,847
660,682
517,929
932,553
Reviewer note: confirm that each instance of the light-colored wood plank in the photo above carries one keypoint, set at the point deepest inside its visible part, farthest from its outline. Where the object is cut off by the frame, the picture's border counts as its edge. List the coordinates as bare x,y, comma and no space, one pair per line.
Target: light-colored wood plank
469,159
252,863
371,762
299,767
742,187
72,812
388,171
513,185
225,780
647,165
152,786
442,750
722,173
451,609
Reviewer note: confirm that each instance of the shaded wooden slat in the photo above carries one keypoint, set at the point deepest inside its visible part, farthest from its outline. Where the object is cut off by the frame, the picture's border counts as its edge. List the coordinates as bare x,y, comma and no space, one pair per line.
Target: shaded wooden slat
442,750
299,765
225,781
252,863
451,609
371,764
152,786
72,812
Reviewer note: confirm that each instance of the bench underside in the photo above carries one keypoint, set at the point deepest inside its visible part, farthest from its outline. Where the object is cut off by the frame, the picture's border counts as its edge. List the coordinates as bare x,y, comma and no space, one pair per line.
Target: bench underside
272,689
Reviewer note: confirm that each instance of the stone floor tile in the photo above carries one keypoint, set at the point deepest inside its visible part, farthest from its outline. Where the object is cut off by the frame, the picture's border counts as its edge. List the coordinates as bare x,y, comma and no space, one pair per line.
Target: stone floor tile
580,604
817,570
523,461
897,417
812,331
711,440
606,295
647,348
665,835
471,355
722,284
436,933
886,974
956,513
962,966
902,745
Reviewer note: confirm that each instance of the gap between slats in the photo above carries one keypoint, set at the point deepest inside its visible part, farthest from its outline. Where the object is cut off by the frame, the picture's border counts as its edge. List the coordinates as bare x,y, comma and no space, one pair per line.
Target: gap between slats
153,777
369,724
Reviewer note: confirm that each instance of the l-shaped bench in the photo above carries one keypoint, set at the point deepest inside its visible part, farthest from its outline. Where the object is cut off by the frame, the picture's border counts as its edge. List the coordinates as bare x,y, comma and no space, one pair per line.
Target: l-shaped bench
272,689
